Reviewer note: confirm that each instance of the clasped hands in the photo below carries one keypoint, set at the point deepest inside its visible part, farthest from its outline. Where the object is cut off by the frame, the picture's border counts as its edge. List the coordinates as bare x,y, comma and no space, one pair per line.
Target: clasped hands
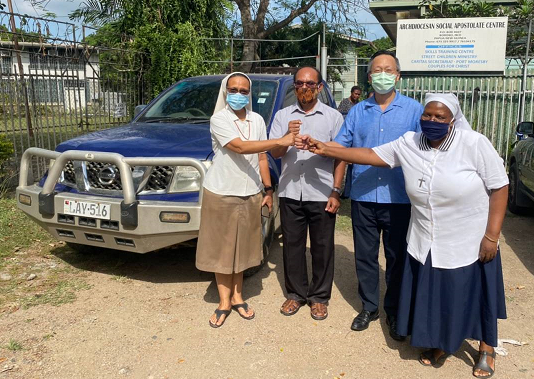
304,141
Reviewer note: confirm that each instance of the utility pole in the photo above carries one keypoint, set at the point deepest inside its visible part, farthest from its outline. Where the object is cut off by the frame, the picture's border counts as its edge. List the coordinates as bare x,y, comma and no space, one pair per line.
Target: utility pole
21,69
324,55
525,71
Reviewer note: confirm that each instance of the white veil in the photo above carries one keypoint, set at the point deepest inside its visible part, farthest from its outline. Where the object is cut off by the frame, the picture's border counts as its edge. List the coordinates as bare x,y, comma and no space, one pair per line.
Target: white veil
451,101
221,100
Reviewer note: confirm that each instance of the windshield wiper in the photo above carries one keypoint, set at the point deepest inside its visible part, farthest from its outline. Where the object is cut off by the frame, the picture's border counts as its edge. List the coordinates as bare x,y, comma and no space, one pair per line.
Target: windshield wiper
174,119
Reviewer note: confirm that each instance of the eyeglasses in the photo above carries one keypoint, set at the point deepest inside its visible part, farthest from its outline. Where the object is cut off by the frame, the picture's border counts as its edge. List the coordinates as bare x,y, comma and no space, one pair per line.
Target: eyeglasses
300,84
244,92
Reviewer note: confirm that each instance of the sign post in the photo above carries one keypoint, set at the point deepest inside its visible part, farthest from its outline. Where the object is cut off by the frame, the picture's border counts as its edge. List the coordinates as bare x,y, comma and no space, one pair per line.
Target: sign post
452,44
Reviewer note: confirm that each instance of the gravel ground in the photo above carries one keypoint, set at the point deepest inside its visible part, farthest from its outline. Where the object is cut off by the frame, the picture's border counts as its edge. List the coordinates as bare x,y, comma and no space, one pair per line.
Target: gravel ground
146,316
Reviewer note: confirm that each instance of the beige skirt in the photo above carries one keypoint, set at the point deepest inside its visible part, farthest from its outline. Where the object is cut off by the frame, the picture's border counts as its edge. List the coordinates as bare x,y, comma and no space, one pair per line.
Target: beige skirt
229,240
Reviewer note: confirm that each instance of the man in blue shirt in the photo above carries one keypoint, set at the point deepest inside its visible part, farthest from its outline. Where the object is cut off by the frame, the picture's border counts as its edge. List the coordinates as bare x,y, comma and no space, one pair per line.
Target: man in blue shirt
379,201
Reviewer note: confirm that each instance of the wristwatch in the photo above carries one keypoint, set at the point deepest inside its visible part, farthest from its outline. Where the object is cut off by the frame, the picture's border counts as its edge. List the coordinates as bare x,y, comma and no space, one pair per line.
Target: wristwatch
269,188
337,190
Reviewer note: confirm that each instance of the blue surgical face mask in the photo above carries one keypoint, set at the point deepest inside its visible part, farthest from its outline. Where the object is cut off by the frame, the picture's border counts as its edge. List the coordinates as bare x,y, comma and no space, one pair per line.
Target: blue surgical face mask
236,101
434,130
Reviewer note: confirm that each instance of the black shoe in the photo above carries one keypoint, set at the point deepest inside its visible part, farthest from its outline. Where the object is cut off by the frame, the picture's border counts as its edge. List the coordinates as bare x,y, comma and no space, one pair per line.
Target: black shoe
361,322
391,322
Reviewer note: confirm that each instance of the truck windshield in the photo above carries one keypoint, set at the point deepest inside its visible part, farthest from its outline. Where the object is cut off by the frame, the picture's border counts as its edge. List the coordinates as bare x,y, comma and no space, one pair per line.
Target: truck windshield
194,100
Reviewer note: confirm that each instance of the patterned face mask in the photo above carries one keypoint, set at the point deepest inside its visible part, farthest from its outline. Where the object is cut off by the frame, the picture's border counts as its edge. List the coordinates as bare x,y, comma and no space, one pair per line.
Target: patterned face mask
306,95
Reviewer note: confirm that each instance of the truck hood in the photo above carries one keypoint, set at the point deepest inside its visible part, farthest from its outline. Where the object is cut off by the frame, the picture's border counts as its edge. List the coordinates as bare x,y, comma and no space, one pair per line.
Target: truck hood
147,140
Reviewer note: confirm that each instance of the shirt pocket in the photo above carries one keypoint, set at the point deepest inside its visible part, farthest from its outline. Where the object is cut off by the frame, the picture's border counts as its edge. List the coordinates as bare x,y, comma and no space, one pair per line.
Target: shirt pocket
321,134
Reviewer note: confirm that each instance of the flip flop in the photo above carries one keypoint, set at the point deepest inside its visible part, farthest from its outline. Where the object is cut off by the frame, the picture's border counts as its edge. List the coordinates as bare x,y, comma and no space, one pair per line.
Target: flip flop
244,306
219,313
429,354
483,364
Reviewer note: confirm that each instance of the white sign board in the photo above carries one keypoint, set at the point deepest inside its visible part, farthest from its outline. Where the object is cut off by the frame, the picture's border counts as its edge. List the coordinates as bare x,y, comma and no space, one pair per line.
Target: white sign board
452,44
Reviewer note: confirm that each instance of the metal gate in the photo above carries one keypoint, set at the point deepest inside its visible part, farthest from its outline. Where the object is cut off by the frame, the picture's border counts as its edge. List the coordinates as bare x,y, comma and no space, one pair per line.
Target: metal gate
54,86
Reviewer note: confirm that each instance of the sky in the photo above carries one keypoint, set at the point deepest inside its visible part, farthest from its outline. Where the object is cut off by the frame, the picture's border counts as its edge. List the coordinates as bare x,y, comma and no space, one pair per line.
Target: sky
62,8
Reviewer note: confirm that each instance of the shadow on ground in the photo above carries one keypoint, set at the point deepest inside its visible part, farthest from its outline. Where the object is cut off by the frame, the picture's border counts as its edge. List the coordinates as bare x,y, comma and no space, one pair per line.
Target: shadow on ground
519,234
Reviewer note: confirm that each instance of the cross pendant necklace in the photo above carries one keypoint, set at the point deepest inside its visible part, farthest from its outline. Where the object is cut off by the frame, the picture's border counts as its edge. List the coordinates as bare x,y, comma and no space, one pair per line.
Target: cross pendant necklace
421,181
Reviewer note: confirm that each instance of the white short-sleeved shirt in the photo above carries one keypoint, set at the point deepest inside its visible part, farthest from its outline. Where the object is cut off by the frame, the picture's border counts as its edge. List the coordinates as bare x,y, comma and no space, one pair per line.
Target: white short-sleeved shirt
231,173
305,175
449,190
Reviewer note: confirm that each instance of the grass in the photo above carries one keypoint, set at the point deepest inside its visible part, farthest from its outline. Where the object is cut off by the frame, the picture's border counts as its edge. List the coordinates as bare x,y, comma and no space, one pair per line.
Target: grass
13,345
17,231
60,292
26,248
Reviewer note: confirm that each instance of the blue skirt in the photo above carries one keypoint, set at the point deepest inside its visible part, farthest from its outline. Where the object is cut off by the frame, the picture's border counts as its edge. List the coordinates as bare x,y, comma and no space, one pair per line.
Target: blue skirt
440,308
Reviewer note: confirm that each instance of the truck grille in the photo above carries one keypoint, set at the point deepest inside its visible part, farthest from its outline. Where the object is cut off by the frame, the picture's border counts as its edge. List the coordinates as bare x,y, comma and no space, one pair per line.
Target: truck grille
159,178
69,177
93,170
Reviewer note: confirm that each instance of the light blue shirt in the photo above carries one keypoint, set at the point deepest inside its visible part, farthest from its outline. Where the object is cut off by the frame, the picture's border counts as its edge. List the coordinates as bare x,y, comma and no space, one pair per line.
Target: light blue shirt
367,125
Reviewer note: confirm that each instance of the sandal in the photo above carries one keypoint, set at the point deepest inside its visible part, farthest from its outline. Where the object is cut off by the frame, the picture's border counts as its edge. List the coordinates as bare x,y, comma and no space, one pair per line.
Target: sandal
429,355
483,364
244,306
319,311
290,307
219,313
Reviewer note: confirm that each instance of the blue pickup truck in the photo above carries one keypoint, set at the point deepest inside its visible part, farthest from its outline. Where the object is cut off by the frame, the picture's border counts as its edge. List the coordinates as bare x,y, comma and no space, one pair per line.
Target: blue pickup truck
138,187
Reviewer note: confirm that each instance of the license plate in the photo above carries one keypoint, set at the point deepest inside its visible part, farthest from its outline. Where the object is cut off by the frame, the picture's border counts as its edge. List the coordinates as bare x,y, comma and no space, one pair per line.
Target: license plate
87,209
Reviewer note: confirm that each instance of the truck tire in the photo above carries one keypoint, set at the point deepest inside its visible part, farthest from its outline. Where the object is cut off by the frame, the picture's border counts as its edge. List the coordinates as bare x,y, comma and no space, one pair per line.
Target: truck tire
513,192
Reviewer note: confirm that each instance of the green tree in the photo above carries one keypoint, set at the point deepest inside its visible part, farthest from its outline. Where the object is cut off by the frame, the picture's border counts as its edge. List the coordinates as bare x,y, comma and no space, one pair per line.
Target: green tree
260,19
384,43
167,34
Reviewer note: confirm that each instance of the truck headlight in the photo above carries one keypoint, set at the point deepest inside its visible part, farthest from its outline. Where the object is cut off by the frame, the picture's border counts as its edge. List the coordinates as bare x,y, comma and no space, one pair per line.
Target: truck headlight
186,179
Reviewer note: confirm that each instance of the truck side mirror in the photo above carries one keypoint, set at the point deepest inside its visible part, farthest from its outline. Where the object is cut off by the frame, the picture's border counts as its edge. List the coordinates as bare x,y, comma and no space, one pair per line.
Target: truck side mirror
525,128
138,109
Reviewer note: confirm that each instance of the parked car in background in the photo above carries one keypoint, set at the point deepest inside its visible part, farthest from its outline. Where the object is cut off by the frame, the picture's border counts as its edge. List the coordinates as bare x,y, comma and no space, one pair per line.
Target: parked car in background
521,170
138,187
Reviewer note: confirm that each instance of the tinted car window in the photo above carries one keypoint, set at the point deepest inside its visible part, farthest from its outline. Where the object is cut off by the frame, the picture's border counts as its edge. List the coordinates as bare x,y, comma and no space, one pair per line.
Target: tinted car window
290,97
195,100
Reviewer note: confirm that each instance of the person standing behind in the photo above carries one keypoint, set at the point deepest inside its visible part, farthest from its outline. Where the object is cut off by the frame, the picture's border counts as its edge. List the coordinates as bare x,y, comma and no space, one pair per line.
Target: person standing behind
309,196
349,102
229,239
379,203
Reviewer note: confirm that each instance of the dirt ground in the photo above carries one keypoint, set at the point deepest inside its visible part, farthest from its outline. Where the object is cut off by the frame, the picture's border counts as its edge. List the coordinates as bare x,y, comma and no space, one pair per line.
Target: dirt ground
146,316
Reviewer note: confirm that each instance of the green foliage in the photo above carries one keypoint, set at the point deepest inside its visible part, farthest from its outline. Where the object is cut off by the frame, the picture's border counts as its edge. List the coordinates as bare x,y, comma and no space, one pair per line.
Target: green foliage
462,8
6,34
166,35
384,43
6,150
518,18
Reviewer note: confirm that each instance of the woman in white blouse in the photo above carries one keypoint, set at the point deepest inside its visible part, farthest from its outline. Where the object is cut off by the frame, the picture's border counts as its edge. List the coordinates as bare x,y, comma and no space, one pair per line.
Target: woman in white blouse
229,238
452,286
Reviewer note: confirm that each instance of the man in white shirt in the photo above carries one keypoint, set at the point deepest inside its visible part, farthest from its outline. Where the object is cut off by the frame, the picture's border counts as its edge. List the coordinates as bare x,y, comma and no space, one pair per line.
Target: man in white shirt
309,196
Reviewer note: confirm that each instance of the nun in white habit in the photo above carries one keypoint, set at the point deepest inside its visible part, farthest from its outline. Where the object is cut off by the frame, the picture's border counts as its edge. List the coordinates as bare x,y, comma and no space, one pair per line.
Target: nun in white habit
452,287
229,239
